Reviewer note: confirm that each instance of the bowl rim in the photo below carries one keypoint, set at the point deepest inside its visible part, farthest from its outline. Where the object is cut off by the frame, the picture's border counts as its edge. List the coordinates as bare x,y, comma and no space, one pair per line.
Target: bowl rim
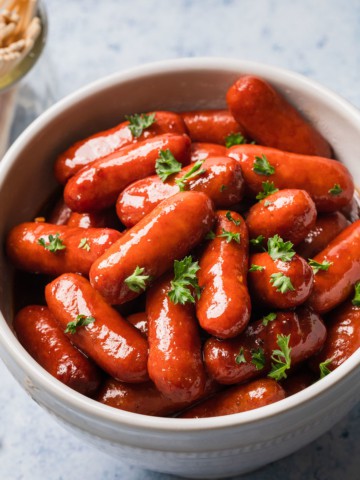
101,412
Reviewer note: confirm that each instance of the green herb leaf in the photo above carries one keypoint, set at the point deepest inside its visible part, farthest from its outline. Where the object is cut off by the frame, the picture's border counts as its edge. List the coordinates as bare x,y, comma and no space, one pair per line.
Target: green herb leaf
323,366
193,172
84,244
267,203
210,235
262,166
258,358
240,357
269,318
258,241
137,282
281,282
138,123
281,358
55,243
80,321
234,139
335,190
256,268
222,188
229,217
280,250
316,266
167,165
356,300
268,189
230,236
184,279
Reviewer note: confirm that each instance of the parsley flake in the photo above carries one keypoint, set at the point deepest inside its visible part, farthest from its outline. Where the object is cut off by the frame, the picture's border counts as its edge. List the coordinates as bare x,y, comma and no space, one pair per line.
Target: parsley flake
234,139
138,123
281,358
229,217
80,321
356,300
184,279
281,282
257,242
258,358
84,244
256,268
323,366
210,235
316,266
262,166
137,282
335,190
230,236
193,172
55,243
269,318
166,165
268,189
280,250
240,357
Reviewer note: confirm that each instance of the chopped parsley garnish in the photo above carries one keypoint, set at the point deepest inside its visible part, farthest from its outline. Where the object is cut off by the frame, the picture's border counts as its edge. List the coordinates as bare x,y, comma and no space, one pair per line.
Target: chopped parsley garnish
281,282
193,172
210,235
137,282
240,357
280,250
258,358
184,280
229,217
84,244
323,366
230,236
256,268
269,318
258,241
80,321
335,190
262,166
54,244
268,189
281,358
222,188
138,123
234,139
166,165
356,300
316,266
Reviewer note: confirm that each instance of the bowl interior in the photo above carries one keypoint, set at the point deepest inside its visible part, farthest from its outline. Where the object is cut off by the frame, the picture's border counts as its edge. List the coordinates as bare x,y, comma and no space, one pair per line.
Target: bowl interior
26,178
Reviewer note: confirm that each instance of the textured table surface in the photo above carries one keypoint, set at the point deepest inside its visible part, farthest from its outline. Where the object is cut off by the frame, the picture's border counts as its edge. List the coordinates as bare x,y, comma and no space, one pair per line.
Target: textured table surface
89,39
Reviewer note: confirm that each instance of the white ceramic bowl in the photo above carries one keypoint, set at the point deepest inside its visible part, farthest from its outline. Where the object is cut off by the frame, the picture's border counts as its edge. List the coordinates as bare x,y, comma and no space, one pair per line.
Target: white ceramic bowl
200,448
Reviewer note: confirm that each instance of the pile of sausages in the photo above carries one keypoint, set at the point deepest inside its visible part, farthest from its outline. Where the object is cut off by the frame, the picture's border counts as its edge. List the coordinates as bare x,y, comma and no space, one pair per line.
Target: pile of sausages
198,264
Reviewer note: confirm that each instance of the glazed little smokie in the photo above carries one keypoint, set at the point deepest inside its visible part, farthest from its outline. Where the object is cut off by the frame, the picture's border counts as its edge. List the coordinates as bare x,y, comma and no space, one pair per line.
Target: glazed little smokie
193,262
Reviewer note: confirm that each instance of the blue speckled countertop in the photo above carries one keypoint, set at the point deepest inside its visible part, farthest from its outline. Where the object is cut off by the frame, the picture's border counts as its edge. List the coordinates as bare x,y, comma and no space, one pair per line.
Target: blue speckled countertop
89,39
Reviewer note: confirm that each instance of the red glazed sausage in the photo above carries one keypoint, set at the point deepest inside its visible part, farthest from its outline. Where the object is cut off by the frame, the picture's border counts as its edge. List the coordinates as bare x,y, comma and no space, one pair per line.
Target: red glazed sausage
144,398
168,233
224,306
270,120
210,126
241,398
202,151
298,381
106,142
139,320
316,175
343,338
333,286
82,247
288,213
98,185
307,336
326,228
265,289
113,343
175,358
222,182
40,335
106,218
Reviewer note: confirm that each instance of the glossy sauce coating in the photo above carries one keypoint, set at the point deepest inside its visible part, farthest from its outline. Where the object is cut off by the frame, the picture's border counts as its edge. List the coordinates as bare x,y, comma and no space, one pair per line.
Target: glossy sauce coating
39,333
175,357
316,175
144,398
202,151
289,213
262,289
343,338
27,254
333,286
222,182
270,120
326,228
106,142
298,381
307,336
113,343
168,233
210,126
60,214
224,306
140,321
98,185
241,398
